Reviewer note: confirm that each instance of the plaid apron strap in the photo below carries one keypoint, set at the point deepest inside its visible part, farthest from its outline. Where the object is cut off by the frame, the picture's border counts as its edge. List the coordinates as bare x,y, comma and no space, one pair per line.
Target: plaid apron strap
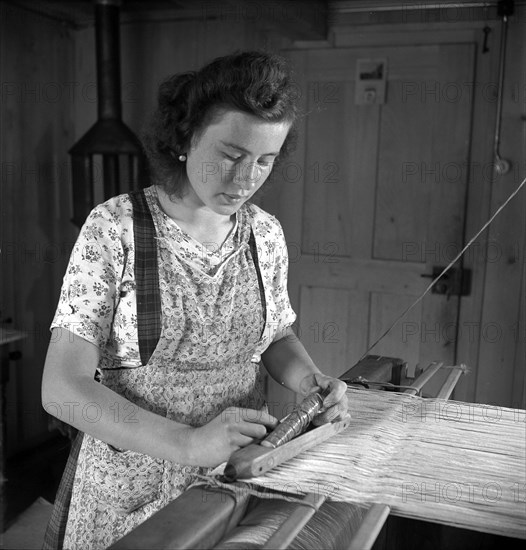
149,331
146,277
56,528
254,253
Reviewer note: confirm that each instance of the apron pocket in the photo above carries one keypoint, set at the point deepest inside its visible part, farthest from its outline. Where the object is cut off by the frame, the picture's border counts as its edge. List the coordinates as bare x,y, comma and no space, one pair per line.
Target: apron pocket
126,480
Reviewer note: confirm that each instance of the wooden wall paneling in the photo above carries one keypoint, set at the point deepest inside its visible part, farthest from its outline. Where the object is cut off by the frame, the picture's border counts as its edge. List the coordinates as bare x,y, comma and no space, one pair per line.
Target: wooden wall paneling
154,50
403,196
300,19
326,201
376,33
474,326
324,319
448,179
337,192
403,209
480,177
499,343
37,67
283,197
401,14
384,309
85,109
362,275
406,35
477,213
363,171
519,374
519,384
330,317
7,232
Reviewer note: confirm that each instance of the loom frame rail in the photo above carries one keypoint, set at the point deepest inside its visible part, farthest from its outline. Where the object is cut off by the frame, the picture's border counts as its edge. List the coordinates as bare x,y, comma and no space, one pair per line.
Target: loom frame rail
220,511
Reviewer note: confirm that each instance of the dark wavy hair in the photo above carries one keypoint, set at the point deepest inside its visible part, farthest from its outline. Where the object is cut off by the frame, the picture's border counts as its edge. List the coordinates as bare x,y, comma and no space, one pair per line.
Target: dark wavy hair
253,82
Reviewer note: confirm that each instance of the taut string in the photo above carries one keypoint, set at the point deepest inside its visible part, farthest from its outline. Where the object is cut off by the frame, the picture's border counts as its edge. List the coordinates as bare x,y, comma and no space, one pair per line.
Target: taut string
447,268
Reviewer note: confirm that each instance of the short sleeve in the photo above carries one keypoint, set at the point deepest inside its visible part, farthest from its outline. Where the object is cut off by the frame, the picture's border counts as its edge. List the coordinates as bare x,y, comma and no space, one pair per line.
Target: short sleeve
89,290
285,314
273,262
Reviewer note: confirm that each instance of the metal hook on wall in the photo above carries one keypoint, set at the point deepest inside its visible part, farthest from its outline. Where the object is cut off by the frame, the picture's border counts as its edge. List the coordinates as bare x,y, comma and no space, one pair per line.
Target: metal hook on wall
505,9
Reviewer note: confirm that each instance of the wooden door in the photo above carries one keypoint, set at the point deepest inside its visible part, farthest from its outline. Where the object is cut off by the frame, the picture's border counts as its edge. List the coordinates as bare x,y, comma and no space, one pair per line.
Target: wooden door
373,199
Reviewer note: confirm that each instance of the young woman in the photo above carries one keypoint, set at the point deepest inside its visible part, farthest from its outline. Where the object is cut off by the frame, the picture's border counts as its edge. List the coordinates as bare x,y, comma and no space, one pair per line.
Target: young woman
174,299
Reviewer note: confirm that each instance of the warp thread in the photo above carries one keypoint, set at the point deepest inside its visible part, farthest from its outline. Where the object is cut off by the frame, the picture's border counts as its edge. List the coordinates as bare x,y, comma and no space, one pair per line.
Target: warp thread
460,464
235,490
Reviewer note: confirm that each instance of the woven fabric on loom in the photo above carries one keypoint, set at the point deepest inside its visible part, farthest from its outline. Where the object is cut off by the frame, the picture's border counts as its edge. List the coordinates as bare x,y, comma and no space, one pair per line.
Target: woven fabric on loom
331,527
461,464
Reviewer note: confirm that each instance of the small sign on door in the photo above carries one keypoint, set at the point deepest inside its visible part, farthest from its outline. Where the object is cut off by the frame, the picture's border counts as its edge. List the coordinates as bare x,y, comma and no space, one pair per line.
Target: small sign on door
371,78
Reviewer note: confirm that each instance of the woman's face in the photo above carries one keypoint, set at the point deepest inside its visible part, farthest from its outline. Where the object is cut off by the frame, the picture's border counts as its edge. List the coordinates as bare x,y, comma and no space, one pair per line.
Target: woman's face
231,160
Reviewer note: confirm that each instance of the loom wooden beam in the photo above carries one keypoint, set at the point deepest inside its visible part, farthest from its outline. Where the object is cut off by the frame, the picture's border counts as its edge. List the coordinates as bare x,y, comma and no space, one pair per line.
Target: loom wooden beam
376,368
254,460
370,527
203,515
175,527
424,377
249,460
289,530
377,514
451,381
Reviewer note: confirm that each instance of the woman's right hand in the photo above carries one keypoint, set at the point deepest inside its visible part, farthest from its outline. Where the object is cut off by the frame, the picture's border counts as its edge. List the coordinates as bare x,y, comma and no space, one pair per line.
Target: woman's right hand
213,443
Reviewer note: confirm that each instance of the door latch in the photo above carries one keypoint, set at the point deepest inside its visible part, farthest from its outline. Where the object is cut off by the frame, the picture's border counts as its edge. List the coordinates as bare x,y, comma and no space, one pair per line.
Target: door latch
454,282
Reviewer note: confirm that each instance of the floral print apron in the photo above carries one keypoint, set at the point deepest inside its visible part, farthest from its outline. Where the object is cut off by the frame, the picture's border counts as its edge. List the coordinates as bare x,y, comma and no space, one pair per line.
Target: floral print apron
206,359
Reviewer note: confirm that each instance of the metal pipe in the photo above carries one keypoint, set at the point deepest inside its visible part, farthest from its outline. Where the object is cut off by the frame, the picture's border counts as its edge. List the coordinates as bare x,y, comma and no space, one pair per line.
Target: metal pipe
502,166
110,167
107,38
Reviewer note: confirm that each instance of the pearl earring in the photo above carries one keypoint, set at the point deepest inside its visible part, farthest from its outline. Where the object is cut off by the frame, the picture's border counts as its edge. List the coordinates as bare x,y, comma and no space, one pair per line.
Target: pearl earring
182,157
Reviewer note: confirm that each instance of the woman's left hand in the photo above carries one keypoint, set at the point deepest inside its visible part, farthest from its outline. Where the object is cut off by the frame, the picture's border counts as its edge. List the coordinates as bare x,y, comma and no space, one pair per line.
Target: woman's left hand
334,404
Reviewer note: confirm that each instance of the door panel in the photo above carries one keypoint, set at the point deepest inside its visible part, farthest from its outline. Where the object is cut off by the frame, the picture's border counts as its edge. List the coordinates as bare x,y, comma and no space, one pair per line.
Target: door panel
404,156
382,201
335,313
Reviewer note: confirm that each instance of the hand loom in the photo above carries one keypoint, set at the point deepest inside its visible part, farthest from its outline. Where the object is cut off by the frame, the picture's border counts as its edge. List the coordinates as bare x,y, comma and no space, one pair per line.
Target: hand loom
284,443
492,456
219,515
